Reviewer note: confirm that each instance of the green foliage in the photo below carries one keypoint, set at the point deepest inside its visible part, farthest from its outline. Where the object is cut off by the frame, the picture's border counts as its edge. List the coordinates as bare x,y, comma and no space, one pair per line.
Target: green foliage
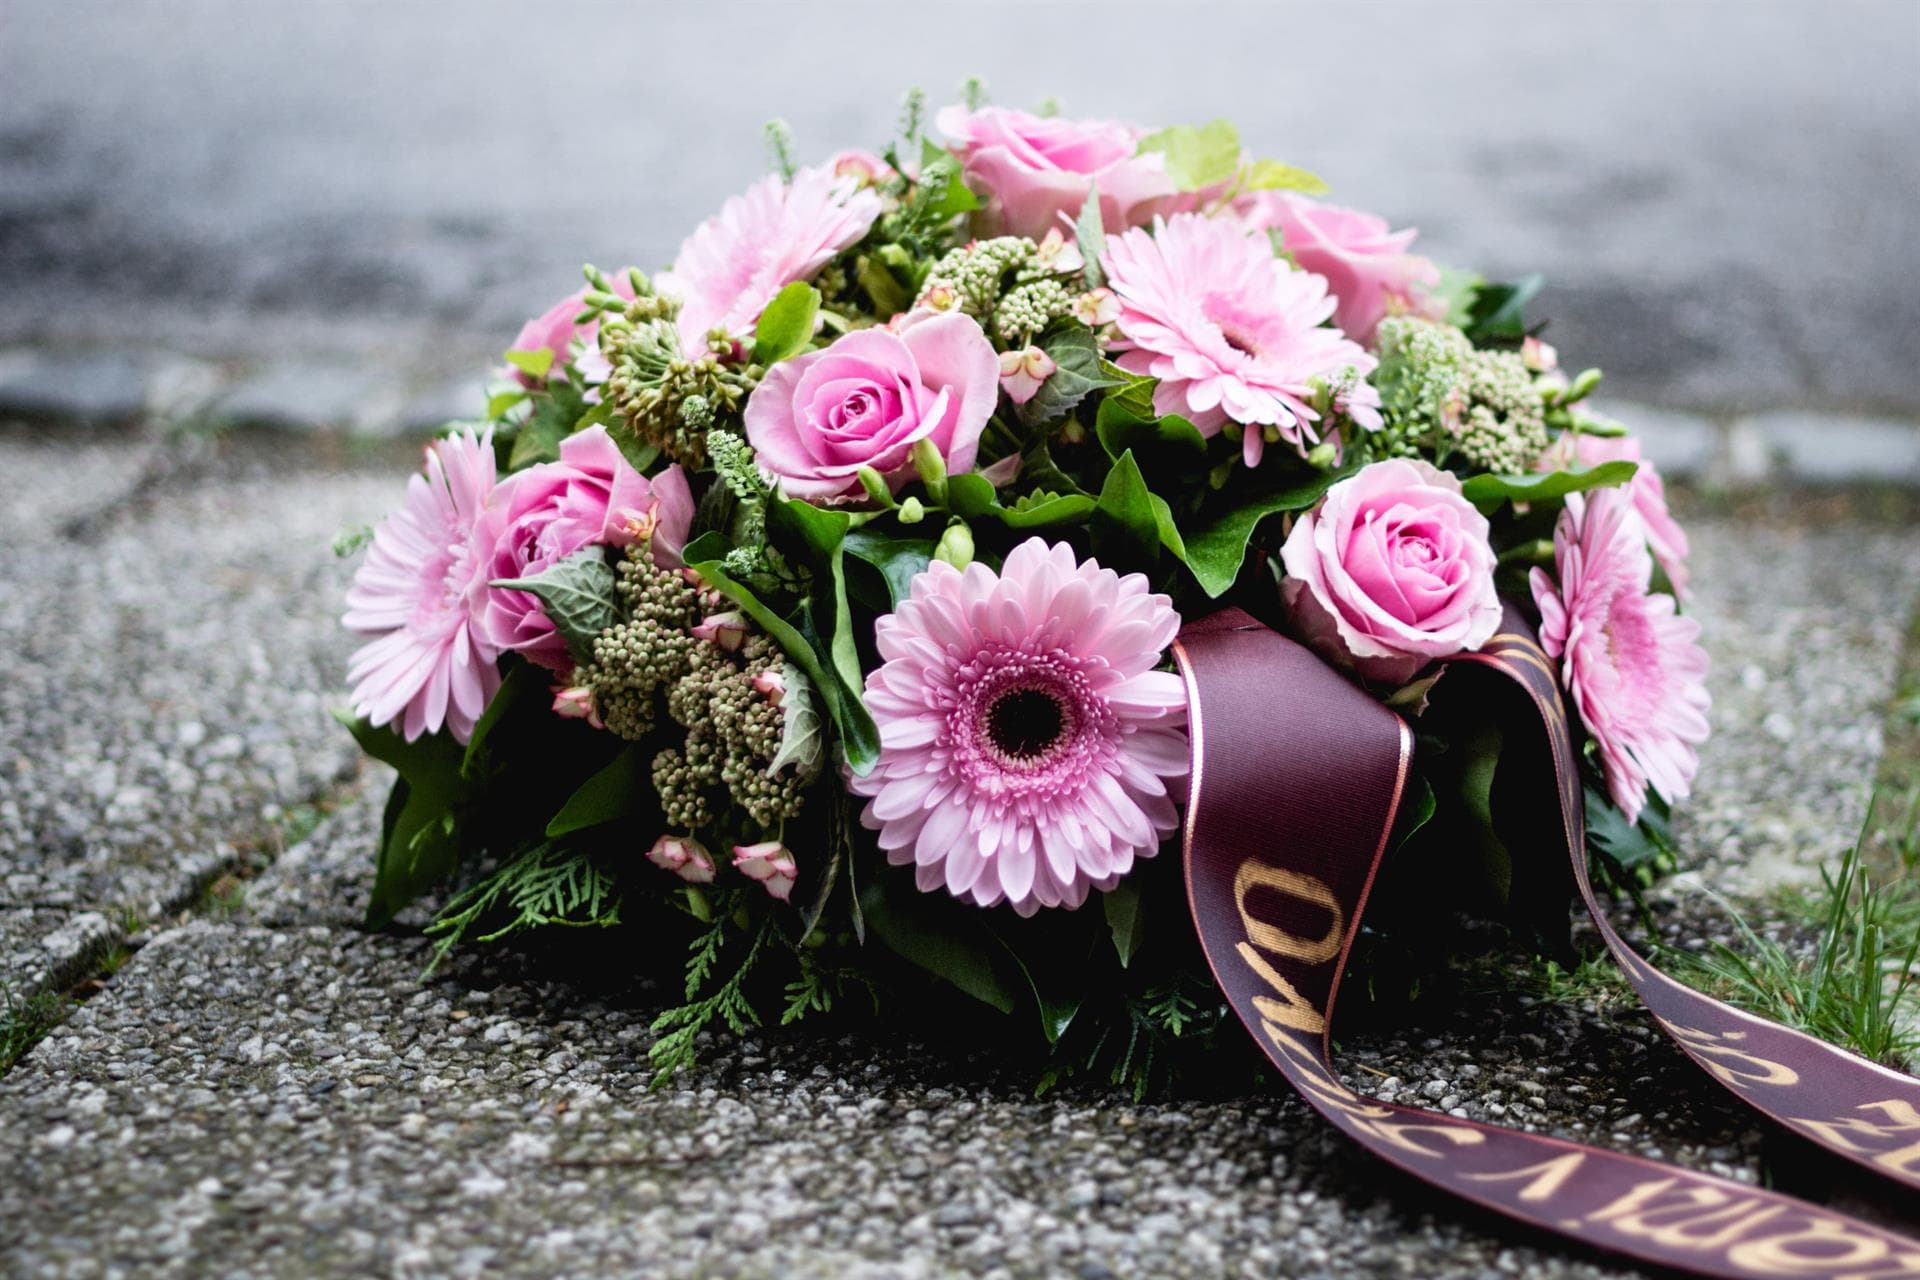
1130,522
678,1028
1078,373
578,597
1126,918
418,833
1496,312
25,1020
1090,237
1216,544
948,939
548,884
1859,984
535,364
785,328
1271,175
1197,156
973,498
351,538
607,796
1136,1047
802,741
1488,491
555,411
898,559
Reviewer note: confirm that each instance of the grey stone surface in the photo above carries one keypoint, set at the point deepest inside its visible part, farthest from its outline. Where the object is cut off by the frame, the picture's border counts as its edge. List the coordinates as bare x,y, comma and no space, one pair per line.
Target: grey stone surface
314,393
1717,193
100,386
49,948
1839,448
274,1093
172,651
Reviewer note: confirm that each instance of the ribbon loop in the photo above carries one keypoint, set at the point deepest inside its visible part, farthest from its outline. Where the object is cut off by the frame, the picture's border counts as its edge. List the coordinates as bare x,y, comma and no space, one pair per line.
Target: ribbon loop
1282,841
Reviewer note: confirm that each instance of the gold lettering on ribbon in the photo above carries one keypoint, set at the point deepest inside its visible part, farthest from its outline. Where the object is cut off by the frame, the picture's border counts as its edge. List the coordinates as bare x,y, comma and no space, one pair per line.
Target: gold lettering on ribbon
1725,1059
1547,1177
1902,1119
1775,1255
1292,1009
1255,874
1693,1218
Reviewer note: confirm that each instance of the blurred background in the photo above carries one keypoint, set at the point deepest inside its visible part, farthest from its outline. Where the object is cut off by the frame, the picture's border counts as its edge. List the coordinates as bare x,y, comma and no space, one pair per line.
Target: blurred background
340,211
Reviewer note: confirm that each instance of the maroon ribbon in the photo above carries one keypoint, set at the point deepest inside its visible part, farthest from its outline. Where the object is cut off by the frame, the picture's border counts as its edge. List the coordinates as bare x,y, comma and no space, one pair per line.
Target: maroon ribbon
1297,777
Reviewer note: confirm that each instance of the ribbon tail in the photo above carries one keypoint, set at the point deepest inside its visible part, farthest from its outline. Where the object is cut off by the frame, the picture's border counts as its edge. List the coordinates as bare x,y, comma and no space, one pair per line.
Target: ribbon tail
1296,779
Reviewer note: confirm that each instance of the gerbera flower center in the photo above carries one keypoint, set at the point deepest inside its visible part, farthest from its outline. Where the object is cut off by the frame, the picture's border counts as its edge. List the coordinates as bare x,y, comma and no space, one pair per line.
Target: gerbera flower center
1024,723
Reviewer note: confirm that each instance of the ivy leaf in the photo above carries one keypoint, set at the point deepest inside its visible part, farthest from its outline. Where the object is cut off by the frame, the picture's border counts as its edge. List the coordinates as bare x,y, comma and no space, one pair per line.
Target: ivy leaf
1216,547
817,539
607,796
1496,313
1090,237
577,594
1125,919
1197,157
1488,491
535,364
1170,445
947,939
523,681
786,326
1077,374
1271,175
1459,290
418,839
801,742
1481,762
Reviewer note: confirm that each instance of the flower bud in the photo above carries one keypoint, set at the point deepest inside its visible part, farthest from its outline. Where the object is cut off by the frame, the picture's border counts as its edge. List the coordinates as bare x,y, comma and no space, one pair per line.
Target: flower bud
1323,455
956,545
576,703
911,512
1538,356
771,684
876,486
770,863
727,630
931,467
940,298
1022,373
684,856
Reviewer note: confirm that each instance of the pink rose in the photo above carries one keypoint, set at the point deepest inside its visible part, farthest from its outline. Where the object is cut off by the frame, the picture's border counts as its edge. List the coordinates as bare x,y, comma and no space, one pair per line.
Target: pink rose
1391,571
590,497
1034,168
1367,266
1648,492
554,330
816,419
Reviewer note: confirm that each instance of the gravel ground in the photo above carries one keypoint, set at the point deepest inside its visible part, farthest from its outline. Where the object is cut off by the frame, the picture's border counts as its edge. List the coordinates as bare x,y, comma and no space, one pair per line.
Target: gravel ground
170,622
265,1091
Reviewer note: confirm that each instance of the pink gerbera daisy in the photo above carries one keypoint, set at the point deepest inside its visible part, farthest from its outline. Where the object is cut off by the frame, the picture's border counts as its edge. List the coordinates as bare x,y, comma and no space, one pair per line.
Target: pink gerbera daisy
1027,742
418,594
1631,662
1233,333
773,234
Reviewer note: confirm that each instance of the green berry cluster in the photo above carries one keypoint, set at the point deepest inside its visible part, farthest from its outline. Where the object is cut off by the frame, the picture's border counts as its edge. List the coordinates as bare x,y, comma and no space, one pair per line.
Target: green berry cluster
1005,284
1503,427
636,659
1437,393
668,397
733,733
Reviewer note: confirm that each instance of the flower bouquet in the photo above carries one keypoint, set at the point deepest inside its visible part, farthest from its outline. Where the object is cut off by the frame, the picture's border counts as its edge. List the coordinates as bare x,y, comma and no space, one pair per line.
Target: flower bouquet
815,604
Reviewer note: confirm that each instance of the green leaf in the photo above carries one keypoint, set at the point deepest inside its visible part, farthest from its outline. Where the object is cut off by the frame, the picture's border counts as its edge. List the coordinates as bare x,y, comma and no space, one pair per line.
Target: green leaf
1197,157
946,190
817,539
786,326
1496,313
1057,1009
1627,844
607,796
1170,445
1459,289
1090,237
1126,528
501,401
1488,491
1217,545
523,681
1271,175
418,845
802,743
888,295
1125,919
948,939
899,559
859,737
972,497
1481,762
556,411
577,594
1077,374
535,364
